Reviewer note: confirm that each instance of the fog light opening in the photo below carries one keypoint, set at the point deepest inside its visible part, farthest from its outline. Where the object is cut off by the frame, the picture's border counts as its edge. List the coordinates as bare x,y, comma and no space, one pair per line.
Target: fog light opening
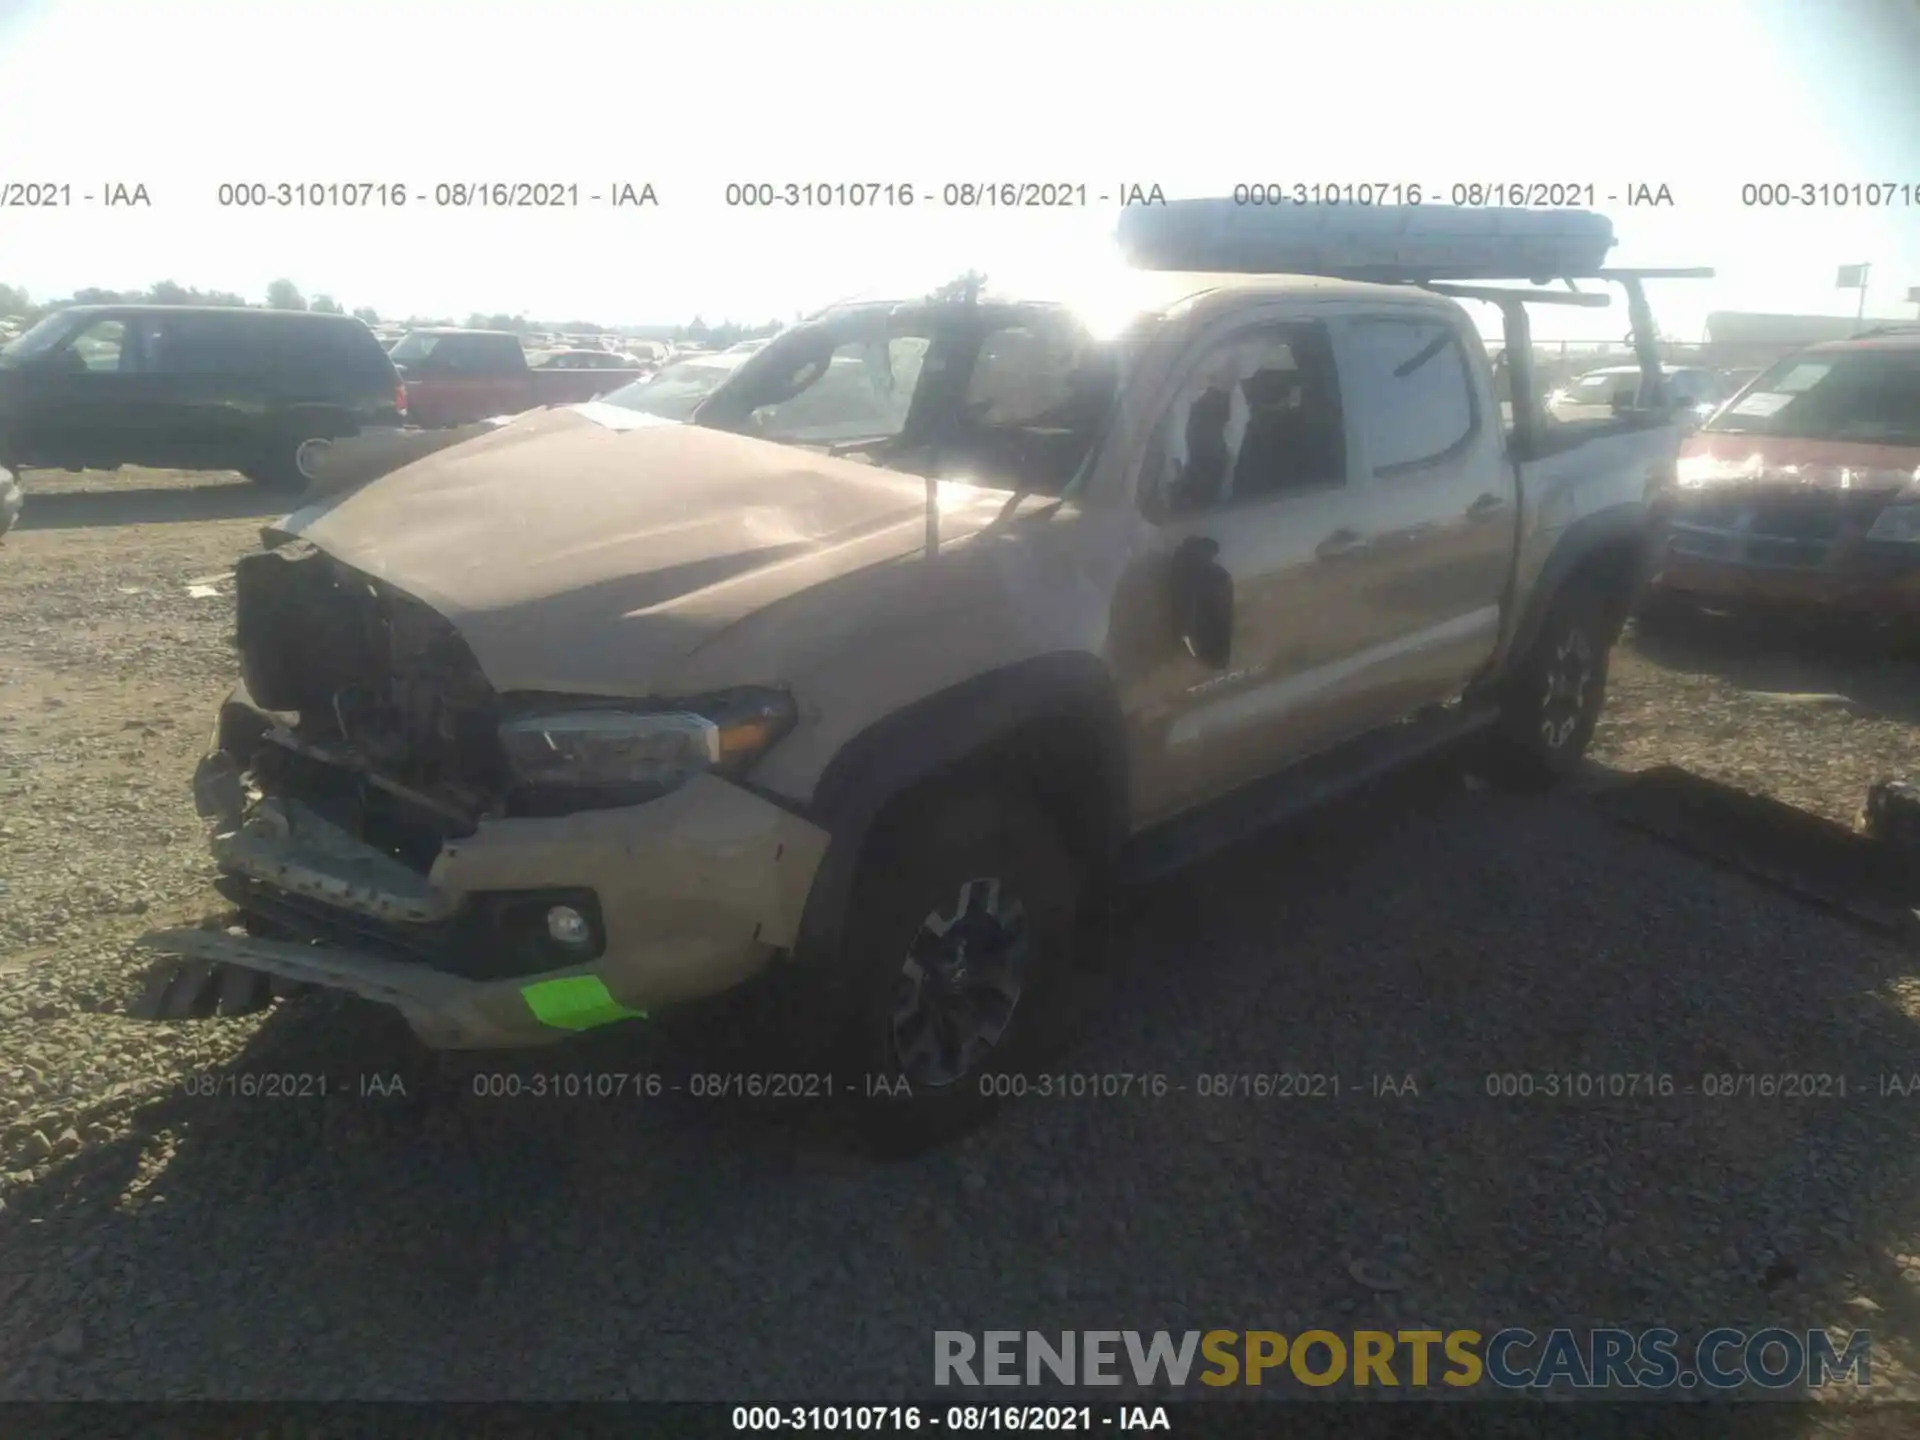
568,927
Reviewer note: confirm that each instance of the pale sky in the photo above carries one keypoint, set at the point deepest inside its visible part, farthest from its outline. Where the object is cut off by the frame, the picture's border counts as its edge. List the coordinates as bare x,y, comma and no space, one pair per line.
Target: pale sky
1196,96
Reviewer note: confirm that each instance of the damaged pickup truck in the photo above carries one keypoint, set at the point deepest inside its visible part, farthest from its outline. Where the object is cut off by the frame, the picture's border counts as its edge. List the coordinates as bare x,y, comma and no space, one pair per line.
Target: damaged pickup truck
601,712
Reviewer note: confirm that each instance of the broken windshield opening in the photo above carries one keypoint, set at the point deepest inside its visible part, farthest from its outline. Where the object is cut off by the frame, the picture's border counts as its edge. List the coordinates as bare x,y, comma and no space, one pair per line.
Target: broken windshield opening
675,392
1006,397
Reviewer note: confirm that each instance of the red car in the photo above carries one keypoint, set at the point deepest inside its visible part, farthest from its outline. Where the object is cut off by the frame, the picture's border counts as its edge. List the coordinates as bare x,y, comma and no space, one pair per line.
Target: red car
1804,489
455,377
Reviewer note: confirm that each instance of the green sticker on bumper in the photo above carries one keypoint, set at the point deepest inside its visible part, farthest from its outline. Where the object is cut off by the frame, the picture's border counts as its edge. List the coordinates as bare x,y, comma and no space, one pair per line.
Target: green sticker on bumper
576,1002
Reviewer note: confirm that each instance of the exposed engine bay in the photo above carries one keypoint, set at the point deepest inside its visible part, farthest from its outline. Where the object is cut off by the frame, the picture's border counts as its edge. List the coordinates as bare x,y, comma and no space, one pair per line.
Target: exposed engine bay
371,710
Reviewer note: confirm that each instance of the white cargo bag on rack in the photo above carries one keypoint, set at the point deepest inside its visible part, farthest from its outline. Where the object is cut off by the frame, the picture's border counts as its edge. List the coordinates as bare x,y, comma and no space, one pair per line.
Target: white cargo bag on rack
1366,242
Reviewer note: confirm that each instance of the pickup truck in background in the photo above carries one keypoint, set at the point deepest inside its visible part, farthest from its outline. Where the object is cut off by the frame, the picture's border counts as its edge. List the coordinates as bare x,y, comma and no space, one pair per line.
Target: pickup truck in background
869,704
456,377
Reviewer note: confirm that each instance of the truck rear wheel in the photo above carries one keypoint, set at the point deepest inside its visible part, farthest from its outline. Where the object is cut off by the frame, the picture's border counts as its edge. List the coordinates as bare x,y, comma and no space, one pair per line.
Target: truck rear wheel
955,974
1554,697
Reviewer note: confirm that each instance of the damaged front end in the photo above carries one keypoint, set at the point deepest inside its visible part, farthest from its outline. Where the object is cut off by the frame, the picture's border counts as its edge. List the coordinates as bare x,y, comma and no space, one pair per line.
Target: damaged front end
372,837
360,743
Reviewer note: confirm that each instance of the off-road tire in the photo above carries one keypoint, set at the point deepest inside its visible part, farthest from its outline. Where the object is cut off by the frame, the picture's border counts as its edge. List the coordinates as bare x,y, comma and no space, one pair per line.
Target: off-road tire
1544,731
922,864
278,466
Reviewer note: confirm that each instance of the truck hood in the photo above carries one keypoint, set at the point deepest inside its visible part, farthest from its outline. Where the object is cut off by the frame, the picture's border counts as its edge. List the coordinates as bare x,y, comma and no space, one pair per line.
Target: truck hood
589,550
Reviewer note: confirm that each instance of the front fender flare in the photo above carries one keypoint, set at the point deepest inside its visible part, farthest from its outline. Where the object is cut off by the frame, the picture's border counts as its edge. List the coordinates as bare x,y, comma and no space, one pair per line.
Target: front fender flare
1618,527
936,735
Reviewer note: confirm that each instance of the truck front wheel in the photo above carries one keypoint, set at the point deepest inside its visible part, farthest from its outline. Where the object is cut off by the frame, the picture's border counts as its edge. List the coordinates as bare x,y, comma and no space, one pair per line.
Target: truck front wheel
954,977
1553,699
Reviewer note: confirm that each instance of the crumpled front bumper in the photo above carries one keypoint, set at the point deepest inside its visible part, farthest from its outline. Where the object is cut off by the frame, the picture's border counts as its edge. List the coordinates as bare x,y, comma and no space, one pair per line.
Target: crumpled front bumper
692,893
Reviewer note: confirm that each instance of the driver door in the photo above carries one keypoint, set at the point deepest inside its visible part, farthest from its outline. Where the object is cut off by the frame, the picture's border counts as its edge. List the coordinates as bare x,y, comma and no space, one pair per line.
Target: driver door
1249,457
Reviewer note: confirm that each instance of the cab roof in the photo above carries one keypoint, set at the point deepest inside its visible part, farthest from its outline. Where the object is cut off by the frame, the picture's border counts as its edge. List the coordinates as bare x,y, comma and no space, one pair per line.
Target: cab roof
1163,290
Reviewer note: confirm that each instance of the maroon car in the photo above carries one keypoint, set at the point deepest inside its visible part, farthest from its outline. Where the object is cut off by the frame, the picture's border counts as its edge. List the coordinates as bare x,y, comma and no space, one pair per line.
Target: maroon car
455,377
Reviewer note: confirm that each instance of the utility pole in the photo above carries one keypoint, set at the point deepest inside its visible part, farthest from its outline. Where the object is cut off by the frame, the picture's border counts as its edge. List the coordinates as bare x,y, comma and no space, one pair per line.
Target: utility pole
1853,277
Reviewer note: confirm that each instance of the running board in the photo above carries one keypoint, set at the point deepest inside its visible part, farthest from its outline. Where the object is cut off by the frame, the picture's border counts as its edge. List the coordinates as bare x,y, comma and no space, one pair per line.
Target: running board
1239,816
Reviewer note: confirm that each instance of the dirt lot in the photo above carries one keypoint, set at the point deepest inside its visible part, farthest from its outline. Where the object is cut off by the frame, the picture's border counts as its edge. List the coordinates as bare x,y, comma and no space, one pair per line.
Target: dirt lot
159,1242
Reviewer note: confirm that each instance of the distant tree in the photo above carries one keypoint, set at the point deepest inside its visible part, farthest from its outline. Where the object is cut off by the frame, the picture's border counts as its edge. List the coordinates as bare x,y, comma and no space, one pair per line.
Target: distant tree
326,305
284,295
367,313
166,292
965,288
698,331
14,300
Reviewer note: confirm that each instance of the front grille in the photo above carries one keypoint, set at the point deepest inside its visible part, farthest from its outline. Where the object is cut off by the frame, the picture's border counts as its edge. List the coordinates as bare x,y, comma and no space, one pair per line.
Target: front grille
366,666
1810,517
1795,529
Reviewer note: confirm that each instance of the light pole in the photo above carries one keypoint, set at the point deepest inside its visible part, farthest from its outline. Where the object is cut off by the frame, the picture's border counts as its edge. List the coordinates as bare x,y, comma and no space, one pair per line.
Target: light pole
1852,277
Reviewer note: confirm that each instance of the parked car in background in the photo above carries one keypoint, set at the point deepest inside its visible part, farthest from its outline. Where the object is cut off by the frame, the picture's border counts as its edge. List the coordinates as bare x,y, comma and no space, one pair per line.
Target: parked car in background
10,499
1614,388
455,377
1804,491
95,387
584,360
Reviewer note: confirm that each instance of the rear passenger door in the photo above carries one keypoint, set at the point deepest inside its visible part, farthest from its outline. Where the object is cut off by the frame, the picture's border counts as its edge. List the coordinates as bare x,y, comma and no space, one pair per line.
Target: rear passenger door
1436,523
1250,453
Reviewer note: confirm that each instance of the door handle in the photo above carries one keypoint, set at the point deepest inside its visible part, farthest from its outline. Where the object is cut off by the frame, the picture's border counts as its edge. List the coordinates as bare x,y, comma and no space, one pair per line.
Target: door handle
1340,544
1486,505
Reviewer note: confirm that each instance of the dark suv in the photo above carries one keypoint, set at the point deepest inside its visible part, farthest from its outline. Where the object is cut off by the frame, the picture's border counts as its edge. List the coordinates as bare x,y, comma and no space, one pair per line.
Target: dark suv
195,388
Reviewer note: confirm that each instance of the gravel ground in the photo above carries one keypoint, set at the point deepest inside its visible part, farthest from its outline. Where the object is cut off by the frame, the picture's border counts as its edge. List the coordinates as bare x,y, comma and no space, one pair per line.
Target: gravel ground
155,1242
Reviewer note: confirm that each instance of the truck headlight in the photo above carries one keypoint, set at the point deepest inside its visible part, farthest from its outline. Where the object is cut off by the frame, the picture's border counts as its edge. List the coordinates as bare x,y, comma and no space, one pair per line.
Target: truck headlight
638,753
1898,522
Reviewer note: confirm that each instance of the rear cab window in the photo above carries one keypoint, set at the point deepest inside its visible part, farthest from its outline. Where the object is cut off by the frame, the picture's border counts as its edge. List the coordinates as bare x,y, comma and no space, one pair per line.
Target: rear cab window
1410,379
